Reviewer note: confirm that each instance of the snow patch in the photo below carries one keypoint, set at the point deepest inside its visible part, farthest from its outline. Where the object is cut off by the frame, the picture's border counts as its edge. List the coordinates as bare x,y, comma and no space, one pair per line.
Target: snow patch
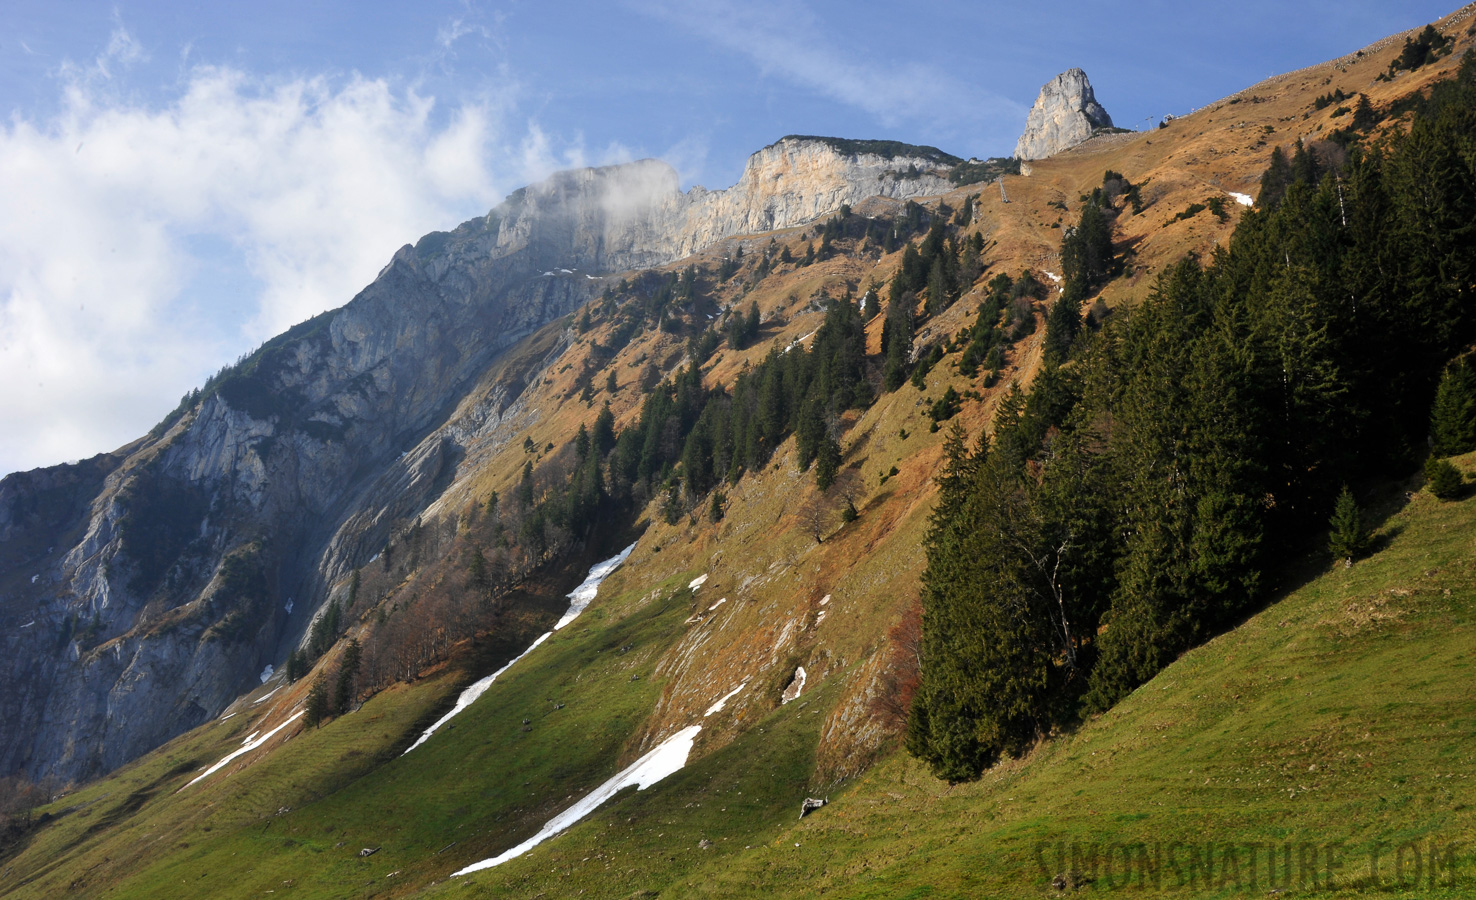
582,596
288,607
667,758
579,598
797,341
29,624
250,744
795,687
824,600
1243,199
266,695
567,271
473,691
718,706
33,578
697,582
266,673
717,604
226,716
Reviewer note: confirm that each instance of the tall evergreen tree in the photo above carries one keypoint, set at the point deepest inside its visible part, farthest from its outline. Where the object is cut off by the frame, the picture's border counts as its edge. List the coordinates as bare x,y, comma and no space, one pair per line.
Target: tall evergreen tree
1347,537
1453,417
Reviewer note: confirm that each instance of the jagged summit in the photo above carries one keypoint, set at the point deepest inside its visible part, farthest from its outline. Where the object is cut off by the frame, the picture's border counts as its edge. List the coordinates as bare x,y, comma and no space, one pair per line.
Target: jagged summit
1065,114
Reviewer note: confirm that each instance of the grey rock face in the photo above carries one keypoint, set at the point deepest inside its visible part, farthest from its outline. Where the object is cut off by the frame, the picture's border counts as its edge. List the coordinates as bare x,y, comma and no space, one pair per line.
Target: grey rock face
142,591
1064,115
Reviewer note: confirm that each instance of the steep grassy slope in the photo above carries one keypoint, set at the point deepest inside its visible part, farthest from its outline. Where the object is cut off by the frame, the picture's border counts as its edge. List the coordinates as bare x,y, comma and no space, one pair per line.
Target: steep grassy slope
1334,727
1347,664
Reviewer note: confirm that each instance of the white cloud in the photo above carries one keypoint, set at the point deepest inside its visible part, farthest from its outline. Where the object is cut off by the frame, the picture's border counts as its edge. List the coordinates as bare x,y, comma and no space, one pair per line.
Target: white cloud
108,306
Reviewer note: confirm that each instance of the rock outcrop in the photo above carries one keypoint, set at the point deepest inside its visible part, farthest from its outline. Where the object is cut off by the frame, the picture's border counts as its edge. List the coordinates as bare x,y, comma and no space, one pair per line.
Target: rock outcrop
1065,114
142,591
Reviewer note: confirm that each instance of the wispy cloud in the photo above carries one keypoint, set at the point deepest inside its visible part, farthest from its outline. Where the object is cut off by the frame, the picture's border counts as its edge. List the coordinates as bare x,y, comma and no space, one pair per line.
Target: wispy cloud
787,41
115,212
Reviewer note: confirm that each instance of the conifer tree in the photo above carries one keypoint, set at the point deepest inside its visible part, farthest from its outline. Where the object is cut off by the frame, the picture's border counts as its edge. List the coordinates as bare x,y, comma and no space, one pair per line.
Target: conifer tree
348,670
1347,537
1443,479
1274,181
827,462
317,705
1453,416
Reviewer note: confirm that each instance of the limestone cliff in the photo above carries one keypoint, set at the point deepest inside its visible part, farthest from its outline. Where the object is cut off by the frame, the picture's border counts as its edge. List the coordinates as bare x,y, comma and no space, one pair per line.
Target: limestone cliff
142,591
1065,114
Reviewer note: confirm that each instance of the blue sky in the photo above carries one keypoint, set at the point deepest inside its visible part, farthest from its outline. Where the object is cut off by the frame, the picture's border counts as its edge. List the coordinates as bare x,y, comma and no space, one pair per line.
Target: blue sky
180,181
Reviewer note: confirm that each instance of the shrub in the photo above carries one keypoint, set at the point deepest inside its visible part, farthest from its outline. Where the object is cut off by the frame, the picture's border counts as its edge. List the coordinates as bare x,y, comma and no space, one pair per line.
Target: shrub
1443,479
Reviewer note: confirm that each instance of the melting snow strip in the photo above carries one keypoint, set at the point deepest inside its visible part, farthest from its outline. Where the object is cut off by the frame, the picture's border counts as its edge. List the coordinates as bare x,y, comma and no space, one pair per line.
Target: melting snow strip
226,716
697,582
717,604
582,596
579,599
1243,199
666,759
251,743
473,691
718,706
266,695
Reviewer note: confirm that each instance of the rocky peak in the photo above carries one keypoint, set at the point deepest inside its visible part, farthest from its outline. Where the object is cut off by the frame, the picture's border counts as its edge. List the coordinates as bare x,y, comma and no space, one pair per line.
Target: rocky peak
1065,114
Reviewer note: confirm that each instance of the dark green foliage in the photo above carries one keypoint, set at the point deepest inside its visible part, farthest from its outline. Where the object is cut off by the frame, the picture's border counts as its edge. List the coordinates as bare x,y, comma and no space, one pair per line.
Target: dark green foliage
297,666
325,630
1087,261
1364,116
715,509
1347,538
1329,99
242,601
345,685
1274,181
897,331
1426,47
924,365
1453,417
1131,503
989,334
743,329
827,462
317,705
975,172
1189,212
1216,206
945,407
1443,479
1086,253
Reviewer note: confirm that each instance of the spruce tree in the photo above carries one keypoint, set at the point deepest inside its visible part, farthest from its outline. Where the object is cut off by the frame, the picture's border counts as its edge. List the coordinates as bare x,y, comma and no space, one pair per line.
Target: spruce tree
317,705
1443,479
1274,181
348,669
1453,416
1347,538
827,462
